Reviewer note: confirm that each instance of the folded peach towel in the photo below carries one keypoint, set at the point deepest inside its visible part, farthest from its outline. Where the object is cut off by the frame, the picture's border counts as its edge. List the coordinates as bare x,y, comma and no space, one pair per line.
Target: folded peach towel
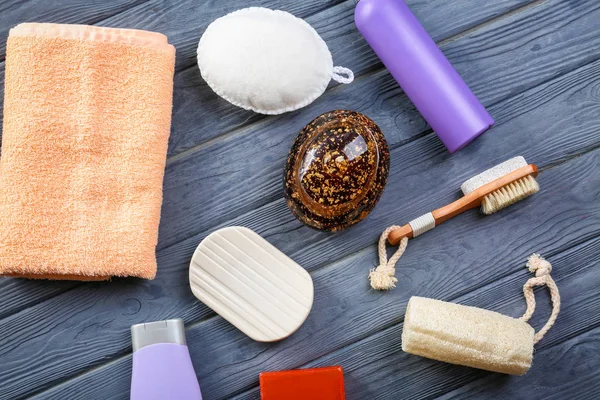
87,115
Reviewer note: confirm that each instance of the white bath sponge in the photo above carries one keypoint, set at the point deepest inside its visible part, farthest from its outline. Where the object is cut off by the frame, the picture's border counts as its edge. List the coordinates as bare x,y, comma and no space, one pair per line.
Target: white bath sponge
266,60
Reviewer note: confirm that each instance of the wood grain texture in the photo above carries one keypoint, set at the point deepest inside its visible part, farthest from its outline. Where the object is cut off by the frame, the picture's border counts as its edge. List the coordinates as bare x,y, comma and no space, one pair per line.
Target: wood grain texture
574,375
555,118
380,93
208,116
536,70
377,368
334,23
263,222
346,310
265,144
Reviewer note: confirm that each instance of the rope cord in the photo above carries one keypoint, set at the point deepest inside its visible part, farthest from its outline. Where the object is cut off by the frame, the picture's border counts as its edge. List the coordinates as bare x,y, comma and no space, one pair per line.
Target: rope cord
382,277
542,269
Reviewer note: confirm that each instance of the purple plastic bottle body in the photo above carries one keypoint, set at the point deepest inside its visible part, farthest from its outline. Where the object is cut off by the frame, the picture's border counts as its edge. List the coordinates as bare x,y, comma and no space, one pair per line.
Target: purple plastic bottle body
423,72
164,371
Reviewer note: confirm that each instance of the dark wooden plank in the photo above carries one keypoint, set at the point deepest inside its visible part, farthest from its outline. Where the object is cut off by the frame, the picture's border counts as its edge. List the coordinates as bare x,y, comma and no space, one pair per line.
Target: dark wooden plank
571,372
408,376
204,115
84,12
573,375
18,294
176,274
334,23
184,21
556,27
167,18
480,70
174,261
376,367
557,118
200,115
239,185
347,311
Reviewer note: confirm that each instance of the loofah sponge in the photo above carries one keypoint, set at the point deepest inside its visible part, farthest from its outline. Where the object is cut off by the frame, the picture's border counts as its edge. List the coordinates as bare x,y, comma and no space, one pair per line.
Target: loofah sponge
479,338
468,336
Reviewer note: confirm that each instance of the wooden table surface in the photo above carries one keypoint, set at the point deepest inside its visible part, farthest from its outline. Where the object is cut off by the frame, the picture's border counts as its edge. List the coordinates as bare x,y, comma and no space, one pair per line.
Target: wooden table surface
534,64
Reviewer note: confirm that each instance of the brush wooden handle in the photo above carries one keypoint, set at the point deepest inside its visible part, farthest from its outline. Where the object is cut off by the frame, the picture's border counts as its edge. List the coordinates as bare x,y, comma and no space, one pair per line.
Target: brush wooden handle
466,202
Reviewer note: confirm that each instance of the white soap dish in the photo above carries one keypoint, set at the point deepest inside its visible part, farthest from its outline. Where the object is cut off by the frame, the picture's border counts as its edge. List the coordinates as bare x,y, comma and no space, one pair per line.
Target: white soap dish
251,284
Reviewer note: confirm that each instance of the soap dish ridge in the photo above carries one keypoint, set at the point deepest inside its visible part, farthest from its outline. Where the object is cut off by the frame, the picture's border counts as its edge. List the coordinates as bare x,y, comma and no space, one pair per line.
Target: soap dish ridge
251,284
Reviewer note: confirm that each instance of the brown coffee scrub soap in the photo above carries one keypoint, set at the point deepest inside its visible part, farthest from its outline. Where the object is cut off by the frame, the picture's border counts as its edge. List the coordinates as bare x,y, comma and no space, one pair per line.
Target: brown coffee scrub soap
336,170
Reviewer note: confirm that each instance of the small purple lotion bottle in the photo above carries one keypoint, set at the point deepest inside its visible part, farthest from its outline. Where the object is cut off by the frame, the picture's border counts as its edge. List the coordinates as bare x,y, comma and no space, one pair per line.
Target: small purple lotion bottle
422,70
162,367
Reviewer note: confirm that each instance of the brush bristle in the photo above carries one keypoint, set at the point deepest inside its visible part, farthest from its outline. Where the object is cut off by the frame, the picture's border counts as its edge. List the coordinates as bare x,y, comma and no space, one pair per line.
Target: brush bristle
509,194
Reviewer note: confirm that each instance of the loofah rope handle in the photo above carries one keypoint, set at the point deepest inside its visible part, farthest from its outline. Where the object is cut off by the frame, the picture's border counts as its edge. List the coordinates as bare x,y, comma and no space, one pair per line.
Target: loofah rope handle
382,277
342,75
542,269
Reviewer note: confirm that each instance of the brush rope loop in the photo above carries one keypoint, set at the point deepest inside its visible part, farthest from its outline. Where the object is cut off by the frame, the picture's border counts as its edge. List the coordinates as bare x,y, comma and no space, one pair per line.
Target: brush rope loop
382,277
542,269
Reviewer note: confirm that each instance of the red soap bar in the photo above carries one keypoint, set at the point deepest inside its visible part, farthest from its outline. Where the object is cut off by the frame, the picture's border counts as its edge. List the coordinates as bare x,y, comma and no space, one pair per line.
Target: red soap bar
303,384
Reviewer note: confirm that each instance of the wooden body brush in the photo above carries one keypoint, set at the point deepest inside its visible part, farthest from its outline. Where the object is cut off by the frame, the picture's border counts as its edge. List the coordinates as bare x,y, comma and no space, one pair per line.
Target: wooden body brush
493,190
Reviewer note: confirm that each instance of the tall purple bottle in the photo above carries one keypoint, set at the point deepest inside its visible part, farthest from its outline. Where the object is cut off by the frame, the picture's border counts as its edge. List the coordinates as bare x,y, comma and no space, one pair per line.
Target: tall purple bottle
423,72
162,367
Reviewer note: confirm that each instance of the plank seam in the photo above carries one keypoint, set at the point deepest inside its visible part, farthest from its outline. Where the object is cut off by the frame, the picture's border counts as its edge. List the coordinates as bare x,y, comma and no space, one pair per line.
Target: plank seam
459,295
378,67
545,81
511,13
569,158
25,307
324,267
426,133
117,357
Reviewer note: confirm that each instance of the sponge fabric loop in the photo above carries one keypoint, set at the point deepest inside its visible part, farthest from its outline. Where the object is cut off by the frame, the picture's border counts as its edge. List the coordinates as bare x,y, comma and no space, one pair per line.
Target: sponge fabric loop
342,75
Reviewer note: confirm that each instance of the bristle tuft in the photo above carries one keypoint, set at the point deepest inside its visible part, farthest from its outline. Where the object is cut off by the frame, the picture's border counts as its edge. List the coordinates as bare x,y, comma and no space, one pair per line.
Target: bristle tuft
509,194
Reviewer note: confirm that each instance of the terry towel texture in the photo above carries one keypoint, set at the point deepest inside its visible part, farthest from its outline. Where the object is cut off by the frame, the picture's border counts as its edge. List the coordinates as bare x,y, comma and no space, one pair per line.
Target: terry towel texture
87,116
